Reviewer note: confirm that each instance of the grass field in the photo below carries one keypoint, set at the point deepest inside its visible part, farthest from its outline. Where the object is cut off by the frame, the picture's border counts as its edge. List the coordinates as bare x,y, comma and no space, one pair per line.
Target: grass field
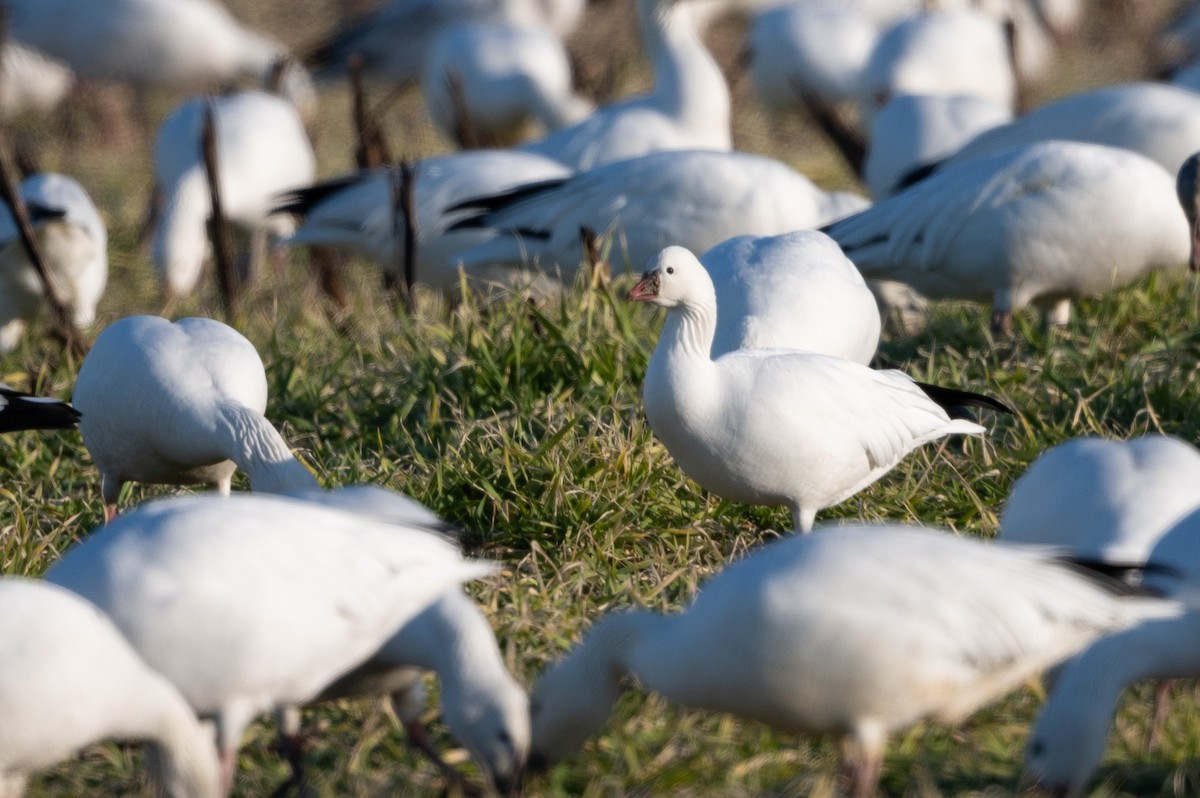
524,426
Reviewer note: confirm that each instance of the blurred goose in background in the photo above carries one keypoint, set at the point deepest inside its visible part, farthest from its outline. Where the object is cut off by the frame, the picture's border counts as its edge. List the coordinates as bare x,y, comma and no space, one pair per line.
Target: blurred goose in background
1044,224
68,679
262,150
792,291
695,199
249,603
356,212
855,631
484,82
688,107
30,81
393,39
180,404
1068,738
74,242
20,411
777,426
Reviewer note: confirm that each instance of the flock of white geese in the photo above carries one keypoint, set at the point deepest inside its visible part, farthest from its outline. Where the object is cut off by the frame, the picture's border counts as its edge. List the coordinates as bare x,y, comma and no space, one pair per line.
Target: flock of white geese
143,630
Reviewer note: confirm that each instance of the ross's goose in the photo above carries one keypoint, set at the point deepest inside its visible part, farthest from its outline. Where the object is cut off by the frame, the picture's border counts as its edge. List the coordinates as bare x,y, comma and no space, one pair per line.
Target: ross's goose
74,243
30,81
262,150
19,410
180,404
1068,738
1105,500
771,426
355,212
694,198
792,291
483,82
913,130
393,39
253,603
688,107
856,632
482,704
1044,223
68,678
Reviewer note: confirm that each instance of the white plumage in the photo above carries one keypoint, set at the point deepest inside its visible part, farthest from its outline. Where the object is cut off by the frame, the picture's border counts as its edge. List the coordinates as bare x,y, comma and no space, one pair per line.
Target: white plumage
856,631
74,242
766,426
250,603
68,679
30,81
262,150
180,404
1045,224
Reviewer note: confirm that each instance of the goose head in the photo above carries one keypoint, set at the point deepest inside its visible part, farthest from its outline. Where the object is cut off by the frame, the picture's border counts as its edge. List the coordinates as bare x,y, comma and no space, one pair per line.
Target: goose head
674,278
1067,742
1187,188
494,725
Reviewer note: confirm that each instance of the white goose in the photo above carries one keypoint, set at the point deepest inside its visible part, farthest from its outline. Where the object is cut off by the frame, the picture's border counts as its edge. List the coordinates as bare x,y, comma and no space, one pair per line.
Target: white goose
498,77
179,404
688,108
355,212
856,632
74,242
692,198
20,410
1105,500
262,150
777,426
1045,224
792,291
1068,738
68,678
29,81
251,603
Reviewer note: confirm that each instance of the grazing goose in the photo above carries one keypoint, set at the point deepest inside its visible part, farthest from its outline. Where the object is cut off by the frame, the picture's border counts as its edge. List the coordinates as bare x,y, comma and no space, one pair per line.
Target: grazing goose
262,150
180,404
1068,738
253,603
772,426
1044,223
29,81
74,243
792,291
68,679
856,631
484,82
19,410
696,199
688,108
355,212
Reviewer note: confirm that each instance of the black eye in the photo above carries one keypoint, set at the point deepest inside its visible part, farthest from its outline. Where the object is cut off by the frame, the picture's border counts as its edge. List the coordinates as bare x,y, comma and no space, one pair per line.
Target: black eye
670,270
504,738
1037,748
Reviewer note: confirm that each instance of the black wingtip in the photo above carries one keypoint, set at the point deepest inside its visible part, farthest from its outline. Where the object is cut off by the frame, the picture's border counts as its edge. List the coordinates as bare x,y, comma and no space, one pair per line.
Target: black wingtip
22,411
916,175
956,402
1121,578
494,202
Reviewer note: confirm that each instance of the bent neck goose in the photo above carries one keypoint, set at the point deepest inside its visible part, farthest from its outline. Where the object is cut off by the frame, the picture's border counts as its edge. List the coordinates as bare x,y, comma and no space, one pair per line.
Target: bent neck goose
19,411
855,632
70,679
262,150
253,603
1044,223
772,426
179,404
74,243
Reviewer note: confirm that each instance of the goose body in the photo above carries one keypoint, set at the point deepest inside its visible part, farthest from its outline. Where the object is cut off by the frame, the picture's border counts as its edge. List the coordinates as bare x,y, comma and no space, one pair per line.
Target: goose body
74,242
180,404
1105,500
68,679
355,212
19,410
251,603
1044,223
857,631
30,81
262,150
792,291
688,107
696,199
767,426
506,76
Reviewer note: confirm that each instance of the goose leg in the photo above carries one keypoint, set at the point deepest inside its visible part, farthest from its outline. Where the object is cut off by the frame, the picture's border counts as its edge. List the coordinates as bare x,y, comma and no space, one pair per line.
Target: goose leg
1002,322
1057,314
418,738
862,757
803,518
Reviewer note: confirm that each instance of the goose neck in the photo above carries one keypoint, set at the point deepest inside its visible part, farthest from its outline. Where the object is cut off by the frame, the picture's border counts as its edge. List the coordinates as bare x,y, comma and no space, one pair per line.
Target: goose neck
258,449
687,81
689,329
